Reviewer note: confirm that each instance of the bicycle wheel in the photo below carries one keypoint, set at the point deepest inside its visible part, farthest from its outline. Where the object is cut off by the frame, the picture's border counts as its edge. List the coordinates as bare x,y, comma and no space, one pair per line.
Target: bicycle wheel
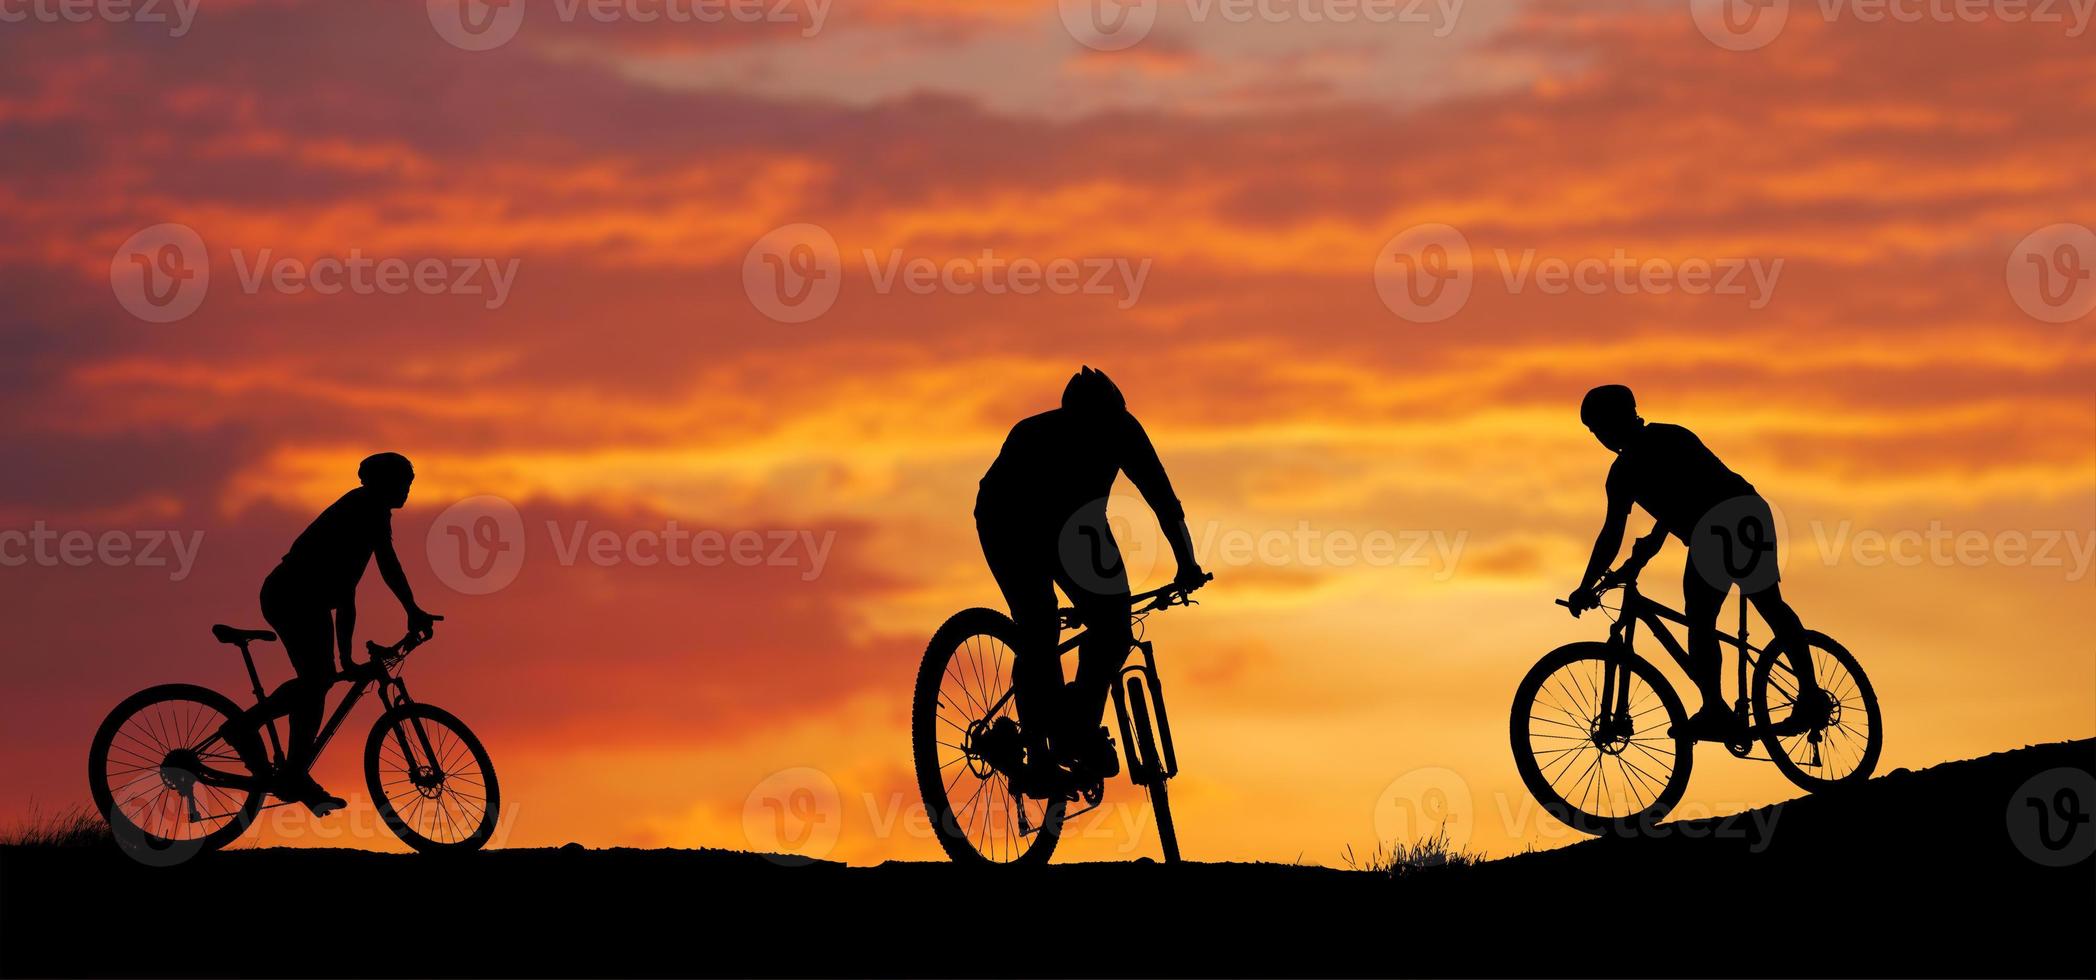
1597,769
1151,765
431,780
143,772
1832,736
962,692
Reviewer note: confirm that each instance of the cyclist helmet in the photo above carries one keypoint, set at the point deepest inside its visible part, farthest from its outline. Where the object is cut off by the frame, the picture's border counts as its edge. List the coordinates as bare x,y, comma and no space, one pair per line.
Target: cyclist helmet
386,469
1093,391
1608,407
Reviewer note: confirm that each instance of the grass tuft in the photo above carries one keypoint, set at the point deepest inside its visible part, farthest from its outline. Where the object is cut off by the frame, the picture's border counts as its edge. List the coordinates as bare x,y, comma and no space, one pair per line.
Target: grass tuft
1402,860
77,826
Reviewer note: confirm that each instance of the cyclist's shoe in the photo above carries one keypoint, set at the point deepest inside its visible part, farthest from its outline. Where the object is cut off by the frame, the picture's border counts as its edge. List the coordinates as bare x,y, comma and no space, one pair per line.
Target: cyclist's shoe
372,669
1041,780
1813,709
301,789
1095,758
1712,724
244,738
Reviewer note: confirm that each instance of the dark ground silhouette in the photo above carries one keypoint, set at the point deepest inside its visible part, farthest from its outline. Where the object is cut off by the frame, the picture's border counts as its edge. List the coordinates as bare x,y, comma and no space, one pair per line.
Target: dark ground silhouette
1913,874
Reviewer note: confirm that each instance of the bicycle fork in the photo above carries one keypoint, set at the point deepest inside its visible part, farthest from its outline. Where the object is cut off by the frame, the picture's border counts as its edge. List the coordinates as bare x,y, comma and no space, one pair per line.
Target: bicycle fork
1129,690
1614,723
416,775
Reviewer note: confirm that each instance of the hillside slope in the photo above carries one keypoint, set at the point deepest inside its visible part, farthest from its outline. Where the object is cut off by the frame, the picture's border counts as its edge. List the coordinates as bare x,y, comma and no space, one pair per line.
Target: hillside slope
1914,874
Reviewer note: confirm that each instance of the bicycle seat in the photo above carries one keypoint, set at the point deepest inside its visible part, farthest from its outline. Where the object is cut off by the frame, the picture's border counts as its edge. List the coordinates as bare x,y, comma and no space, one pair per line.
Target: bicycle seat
238,637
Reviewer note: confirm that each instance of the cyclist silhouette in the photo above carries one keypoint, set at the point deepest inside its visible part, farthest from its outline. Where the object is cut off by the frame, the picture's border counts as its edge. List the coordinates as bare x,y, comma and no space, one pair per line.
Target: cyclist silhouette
1041,515
1727,526
310,600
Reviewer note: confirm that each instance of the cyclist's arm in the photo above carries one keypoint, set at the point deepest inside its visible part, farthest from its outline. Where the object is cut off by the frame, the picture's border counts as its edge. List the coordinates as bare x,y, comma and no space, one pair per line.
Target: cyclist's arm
1610,540
1139,460
1643,549
389,569
345,633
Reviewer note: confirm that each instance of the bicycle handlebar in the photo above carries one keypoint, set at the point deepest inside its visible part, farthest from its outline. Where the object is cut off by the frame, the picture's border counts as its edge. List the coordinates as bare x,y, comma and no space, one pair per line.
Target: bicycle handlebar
1170,595
1611,579
399,651
1161,597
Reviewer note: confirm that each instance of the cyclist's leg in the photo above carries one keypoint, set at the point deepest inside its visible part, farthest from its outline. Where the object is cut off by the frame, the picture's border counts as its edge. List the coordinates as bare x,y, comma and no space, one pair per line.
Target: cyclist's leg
1701,601
1761,583
1789,630
1021,563
1102,601
308,636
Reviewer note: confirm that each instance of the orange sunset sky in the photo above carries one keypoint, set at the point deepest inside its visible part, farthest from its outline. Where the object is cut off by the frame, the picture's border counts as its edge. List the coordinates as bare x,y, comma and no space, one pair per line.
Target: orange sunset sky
1899,376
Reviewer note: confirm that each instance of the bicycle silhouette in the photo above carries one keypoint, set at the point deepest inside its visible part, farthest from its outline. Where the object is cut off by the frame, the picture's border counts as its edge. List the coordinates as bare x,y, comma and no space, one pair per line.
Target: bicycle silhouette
166,780
965,758
1590,711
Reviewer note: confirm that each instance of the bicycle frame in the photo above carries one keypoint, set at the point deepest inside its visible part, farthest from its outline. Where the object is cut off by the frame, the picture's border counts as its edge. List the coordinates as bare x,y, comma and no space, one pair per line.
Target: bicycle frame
392,692
1639,609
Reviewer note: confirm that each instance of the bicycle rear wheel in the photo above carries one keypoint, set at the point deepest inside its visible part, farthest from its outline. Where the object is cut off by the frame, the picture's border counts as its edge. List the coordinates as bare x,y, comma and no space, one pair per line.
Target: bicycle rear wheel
431,780
145,771
1600,768
1149,765
1830,736
962,693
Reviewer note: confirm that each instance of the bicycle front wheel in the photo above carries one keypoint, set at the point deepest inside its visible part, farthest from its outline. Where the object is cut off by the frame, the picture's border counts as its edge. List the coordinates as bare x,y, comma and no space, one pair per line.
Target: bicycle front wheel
1830,734
169,786
431,780
962,752
1600,764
